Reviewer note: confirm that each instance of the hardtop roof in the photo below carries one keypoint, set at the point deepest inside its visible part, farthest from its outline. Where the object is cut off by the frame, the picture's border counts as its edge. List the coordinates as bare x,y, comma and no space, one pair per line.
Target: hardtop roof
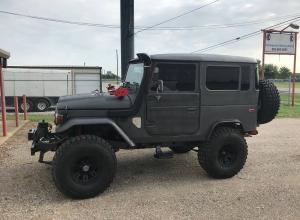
202,57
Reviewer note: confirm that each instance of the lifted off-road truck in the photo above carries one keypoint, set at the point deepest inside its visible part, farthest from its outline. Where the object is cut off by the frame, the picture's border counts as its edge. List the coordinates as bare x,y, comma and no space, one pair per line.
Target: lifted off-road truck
205,103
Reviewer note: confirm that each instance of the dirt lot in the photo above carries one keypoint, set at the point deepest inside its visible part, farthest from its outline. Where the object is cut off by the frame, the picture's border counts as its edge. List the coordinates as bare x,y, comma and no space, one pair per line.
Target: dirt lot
267,188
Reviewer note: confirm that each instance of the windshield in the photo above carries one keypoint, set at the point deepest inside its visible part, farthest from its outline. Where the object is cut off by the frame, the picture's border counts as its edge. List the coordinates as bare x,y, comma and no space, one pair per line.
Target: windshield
134,74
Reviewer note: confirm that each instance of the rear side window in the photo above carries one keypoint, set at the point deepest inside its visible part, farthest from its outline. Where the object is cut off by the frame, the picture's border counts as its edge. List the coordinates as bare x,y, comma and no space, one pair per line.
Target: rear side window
257,77
245,81
222,77
177,77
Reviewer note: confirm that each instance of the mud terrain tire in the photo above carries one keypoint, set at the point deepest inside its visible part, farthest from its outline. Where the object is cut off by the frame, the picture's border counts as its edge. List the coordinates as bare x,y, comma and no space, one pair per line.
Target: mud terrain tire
225,154
84,166
269,102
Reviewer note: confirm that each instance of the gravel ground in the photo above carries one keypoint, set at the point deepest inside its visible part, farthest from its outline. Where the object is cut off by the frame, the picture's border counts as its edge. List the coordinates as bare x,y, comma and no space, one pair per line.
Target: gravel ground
145,188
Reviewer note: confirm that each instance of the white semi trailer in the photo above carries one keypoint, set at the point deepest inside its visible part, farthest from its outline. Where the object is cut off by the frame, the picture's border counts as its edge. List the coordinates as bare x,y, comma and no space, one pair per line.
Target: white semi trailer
44,85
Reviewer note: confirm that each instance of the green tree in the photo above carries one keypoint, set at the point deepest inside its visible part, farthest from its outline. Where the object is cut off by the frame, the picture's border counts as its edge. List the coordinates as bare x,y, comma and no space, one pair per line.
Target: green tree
110,76
271,71
284,72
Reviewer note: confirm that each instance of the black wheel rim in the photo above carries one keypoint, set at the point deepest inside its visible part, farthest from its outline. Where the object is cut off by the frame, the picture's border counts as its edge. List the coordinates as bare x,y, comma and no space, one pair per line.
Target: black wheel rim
85,171
227,156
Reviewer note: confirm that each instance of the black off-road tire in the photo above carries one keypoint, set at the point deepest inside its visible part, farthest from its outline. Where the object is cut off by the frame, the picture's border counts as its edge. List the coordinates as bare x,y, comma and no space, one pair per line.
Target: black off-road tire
180,149
213,158
269,102
84,166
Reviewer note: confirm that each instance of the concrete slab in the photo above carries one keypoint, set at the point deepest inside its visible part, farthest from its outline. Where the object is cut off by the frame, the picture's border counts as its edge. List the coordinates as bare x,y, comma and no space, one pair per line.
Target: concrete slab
11,128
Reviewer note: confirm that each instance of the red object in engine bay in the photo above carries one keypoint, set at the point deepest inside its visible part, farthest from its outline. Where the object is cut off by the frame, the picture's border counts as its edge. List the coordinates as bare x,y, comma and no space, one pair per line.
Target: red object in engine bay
119,92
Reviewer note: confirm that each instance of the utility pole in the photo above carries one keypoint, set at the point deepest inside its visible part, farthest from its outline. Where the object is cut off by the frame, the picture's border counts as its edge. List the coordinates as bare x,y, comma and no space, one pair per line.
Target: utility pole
127,33
117,57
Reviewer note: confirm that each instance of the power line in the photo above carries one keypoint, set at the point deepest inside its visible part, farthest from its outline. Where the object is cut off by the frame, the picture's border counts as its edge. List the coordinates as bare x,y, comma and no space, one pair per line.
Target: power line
227,43
147,28
176,17
59,20
243,37
230,25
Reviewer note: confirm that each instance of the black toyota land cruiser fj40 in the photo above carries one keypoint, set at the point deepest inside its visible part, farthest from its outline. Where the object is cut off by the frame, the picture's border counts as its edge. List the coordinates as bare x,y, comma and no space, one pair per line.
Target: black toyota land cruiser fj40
205,103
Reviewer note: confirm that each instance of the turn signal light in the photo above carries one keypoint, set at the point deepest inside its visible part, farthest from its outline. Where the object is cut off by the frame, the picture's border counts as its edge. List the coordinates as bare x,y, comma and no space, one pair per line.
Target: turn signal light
58,119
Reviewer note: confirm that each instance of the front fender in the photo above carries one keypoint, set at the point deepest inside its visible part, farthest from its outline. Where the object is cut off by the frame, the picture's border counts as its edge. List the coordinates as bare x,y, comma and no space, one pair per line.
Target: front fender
93,121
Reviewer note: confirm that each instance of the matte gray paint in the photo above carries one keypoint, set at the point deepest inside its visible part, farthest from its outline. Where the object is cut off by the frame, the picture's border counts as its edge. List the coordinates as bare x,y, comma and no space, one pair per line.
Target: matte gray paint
93,102
93,121
173,109
179,57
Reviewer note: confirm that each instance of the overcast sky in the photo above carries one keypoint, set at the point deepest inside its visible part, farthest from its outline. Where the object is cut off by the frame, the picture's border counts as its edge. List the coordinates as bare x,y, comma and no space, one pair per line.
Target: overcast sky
35,42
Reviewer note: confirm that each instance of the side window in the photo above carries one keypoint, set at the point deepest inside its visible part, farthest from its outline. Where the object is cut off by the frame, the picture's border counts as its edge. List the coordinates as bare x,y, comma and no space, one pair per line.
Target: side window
257,77
245,81
222,77
177,77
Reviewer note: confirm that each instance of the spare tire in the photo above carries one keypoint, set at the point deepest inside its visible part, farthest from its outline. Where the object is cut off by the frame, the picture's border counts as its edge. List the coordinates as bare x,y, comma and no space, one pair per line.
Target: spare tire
268,102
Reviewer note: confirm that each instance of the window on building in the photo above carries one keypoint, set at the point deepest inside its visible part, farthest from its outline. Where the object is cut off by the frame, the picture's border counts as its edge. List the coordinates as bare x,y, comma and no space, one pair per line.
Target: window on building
222,77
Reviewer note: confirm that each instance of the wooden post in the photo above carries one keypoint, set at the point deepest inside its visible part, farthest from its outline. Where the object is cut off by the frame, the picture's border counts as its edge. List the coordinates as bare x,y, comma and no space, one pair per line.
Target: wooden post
25,107
3,104
294,72
262,76
16,104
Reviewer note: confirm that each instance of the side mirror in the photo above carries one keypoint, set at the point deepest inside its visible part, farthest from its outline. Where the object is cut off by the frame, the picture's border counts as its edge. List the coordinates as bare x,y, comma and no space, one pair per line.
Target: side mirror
160,86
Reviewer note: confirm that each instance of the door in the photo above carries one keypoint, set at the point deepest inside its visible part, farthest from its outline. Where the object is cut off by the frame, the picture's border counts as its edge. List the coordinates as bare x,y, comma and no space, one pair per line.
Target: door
174,110
86,82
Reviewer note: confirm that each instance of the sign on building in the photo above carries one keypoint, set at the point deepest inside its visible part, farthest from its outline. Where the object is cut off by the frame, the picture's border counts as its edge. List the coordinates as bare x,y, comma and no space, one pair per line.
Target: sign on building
280,43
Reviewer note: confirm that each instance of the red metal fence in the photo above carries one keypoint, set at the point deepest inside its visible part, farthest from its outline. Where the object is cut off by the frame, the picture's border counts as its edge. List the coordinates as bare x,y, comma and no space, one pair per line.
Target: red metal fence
3,104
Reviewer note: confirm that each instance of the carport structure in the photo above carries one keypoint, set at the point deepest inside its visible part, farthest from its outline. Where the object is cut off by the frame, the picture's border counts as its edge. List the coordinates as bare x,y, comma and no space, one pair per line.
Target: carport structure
4,55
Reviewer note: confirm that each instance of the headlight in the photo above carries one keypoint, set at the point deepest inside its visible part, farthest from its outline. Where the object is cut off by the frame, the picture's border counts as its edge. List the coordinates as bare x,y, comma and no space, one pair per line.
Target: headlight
58,119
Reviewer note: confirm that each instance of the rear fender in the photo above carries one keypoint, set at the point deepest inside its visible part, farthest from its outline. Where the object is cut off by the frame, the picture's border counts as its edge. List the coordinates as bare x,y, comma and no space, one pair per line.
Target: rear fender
228,123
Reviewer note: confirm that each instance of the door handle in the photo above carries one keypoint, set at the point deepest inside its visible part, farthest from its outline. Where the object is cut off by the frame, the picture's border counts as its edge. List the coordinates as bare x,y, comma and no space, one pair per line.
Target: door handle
157,97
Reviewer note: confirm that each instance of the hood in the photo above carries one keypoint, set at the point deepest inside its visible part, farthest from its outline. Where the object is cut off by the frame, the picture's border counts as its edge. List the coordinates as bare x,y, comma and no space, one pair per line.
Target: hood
94,101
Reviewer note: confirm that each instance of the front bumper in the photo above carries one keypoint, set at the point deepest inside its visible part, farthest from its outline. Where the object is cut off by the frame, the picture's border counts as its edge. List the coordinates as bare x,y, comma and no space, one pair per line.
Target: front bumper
42,138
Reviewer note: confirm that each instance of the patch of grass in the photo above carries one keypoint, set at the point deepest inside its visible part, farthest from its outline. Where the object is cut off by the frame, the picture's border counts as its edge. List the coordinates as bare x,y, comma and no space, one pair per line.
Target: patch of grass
33,117
37,118
284,112
289,111
286,85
